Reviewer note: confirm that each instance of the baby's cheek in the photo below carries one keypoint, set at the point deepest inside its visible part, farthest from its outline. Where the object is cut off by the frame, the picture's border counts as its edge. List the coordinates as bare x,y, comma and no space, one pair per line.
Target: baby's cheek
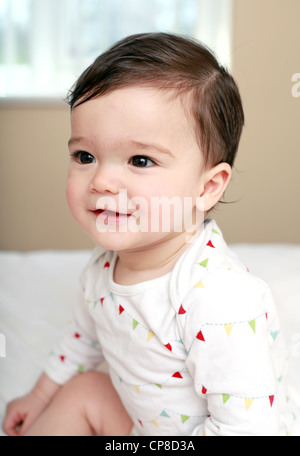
69,192
73,199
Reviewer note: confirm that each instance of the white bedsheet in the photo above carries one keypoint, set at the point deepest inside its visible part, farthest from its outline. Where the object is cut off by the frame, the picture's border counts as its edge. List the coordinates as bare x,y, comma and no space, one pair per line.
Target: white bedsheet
37,290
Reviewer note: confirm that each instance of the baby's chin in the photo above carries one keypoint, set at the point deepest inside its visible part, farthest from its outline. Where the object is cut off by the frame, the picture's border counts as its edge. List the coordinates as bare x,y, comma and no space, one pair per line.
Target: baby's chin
116,241
130,241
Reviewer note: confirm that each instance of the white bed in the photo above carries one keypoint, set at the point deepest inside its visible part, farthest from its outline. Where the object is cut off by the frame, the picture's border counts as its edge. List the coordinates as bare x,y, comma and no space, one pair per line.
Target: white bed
37,290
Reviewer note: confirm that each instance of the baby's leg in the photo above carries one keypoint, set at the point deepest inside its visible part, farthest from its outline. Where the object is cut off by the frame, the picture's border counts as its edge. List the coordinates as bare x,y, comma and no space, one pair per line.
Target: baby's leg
87,405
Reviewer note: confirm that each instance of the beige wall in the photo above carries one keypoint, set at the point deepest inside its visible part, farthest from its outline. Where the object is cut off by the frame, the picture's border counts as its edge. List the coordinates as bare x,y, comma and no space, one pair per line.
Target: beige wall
266,53
34,162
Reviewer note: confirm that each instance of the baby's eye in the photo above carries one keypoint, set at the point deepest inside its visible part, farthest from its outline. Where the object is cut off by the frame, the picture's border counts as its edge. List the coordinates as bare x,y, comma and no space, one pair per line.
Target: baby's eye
141,161
84,158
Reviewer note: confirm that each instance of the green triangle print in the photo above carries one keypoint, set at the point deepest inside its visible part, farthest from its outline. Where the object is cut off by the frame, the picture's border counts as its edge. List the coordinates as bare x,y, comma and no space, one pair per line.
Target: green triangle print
204,263
164,413
252,325
134,324
184,418
226,397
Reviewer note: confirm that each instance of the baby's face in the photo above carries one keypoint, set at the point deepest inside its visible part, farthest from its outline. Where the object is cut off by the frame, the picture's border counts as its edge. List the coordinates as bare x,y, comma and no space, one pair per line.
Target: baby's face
129,149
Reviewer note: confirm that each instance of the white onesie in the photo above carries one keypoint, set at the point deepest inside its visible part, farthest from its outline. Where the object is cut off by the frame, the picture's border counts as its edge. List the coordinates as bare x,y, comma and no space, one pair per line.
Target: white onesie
195,352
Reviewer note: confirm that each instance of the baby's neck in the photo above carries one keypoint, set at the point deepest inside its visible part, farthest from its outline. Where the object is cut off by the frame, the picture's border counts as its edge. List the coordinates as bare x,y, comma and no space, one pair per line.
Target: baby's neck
150,262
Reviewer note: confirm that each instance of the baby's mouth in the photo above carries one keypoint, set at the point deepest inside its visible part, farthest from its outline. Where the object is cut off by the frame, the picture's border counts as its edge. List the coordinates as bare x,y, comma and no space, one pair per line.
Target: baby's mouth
108,216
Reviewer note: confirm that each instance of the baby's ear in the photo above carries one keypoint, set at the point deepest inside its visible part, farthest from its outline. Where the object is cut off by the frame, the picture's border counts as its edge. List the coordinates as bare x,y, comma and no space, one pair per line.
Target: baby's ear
215,181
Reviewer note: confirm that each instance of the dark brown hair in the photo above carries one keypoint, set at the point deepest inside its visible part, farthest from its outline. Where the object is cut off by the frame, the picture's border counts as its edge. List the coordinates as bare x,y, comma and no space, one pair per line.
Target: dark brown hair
181,65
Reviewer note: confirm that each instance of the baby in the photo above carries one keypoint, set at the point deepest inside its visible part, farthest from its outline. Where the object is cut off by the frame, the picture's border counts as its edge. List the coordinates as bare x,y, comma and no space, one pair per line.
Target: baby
192,340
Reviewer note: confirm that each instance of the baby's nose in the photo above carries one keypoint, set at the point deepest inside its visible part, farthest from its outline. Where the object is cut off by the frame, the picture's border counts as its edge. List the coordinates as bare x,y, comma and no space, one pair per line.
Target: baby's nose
105,180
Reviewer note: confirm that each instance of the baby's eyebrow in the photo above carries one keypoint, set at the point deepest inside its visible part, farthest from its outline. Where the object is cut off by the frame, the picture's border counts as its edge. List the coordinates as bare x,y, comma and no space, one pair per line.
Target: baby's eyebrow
131,144
146,146
74,140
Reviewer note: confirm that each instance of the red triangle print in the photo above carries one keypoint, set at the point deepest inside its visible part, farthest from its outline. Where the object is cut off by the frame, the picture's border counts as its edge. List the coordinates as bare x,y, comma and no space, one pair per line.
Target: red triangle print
121,310
177,375
271,399
77,335
102,301
62,358
200,336
210,244
181,310
106,265
169,347
204,390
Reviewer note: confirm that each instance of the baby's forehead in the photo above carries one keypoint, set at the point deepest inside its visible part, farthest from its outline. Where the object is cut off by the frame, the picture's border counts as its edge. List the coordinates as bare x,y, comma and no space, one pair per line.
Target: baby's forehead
157,97
137,115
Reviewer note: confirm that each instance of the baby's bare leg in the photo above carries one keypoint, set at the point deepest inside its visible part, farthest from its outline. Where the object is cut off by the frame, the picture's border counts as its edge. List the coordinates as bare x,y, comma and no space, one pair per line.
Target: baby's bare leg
87,405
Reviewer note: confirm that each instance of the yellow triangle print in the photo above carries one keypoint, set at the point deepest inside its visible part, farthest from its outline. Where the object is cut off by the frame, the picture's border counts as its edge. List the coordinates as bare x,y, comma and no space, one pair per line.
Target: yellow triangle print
150,335
228,329
199,285
137,388
154,423
248,403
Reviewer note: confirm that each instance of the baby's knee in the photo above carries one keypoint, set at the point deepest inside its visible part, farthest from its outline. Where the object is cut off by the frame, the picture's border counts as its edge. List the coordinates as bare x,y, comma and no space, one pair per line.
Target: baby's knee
75,395
92,396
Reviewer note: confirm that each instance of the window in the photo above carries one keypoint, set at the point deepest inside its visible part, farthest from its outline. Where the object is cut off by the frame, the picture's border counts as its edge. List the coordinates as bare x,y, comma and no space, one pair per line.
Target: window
46,44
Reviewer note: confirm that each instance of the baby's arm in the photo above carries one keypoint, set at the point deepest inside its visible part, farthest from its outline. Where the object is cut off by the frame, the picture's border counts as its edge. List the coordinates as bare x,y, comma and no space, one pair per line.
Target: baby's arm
227,337
23,412
77,351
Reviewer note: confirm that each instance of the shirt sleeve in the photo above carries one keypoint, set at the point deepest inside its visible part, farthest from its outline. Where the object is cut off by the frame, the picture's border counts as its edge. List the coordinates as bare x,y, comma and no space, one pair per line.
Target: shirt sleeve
229,334
79,350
